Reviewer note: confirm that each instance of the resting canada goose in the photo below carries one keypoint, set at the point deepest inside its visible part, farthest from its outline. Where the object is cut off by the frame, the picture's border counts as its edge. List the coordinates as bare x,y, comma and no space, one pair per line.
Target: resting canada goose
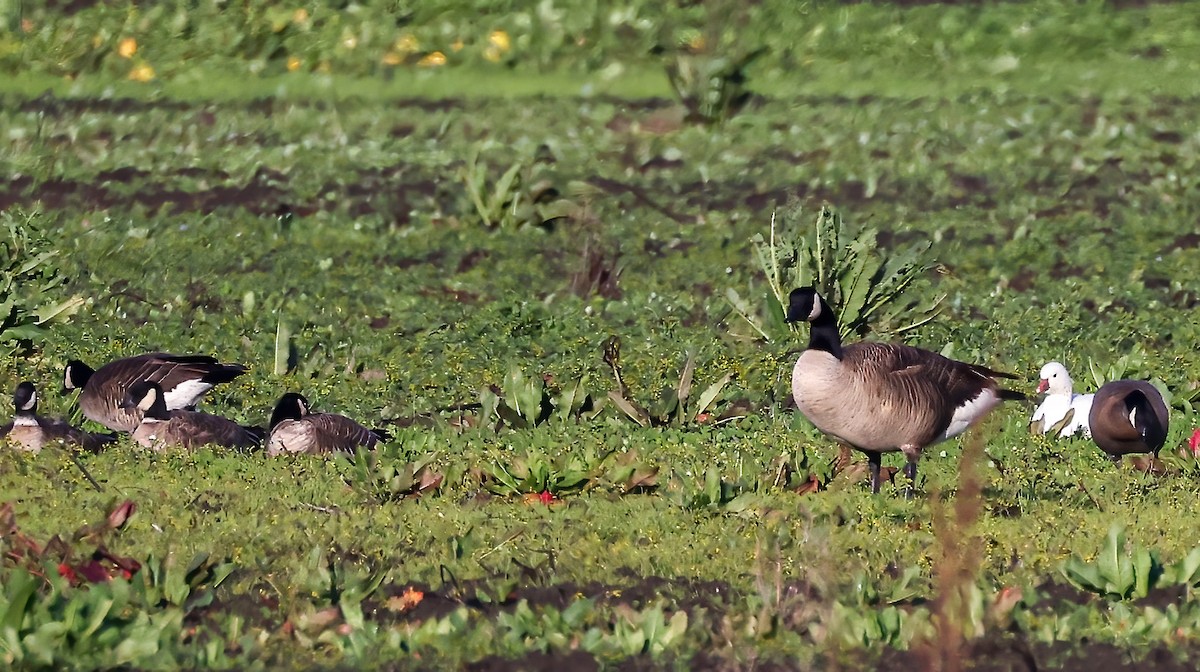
162,428
1129,416
31,432
294,429
182,378
884,397
1062,410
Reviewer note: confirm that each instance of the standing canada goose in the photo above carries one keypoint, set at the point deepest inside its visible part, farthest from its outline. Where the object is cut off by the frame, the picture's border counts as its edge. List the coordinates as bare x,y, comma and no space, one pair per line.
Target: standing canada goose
1062,410
162,428
295,429
884,397
31,432
1129,416
183,379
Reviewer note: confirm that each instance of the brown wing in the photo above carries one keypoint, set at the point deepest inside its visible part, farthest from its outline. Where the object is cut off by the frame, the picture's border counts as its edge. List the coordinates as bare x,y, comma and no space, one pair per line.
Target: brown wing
59,430
192,429
337,432
168,370
924,387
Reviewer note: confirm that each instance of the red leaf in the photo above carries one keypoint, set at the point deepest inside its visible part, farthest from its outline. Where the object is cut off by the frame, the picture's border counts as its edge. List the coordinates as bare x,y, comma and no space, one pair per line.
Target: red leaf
65,571
94,572
120,515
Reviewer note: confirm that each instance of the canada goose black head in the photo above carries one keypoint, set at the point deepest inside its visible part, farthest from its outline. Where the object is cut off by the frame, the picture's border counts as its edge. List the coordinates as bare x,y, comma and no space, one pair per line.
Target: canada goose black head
147,397
25,399
806,305
76,375
291,406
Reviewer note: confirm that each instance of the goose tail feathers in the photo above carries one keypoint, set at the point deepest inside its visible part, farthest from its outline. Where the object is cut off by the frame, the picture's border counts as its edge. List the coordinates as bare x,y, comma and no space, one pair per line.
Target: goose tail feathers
1012,395
992,373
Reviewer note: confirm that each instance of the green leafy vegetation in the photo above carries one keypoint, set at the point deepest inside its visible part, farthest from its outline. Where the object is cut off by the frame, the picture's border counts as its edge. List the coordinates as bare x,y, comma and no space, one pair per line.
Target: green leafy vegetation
548,248
31,283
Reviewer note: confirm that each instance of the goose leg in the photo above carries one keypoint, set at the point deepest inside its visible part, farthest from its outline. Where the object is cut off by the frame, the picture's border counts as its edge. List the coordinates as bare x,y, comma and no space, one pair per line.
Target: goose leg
910,470
874,460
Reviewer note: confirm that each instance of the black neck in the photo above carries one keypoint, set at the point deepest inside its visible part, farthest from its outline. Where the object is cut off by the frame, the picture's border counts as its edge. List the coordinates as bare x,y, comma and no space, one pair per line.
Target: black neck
823,332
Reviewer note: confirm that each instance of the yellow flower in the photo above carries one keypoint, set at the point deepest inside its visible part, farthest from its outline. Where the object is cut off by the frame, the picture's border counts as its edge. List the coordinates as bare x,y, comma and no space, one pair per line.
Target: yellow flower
407,44
127,47
432,60
492,54
499,40
300,15
392,58
142,73
293,63
457,46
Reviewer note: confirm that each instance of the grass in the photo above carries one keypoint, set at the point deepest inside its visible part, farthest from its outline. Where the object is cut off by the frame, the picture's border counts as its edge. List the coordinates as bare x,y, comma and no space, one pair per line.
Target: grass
199,211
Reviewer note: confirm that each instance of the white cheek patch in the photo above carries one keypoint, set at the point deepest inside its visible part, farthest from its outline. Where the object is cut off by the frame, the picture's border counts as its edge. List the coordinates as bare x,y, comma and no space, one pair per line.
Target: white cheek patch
816,309
185,394
147,402
966,414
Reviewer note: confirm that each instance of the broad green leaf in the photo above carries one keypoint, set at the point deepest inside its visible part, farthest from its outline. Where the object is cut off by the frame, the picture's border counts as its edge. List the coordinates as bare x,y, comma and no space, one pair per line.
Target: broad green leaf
1109,561
630,409
59,312
710,394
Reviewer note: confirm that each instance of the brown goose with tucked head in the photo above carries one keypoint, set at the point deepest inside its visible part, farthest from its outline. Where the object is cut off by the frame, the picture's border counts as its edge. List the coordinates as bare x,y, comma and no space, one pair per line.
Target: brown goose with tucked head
161,428
1129,416
885,397
31,432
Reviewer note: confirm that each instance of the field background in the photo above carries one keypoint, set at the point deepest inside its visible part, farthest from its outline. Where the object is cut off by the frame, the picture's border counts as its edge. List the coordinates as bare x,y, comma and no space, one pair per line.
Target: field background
291,187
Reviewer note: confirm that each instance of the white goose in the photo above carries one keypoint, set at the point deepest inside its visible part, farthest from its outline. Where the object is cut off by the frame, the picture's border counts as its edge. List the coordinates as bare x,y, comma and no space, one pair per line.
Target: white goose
1062,409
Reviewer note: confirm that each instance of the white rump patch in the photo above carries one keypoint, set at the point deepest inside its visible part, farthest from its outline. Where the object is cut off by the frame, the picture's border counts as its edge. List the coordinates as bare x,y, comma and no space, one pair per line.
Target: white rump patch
185,394
971,412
